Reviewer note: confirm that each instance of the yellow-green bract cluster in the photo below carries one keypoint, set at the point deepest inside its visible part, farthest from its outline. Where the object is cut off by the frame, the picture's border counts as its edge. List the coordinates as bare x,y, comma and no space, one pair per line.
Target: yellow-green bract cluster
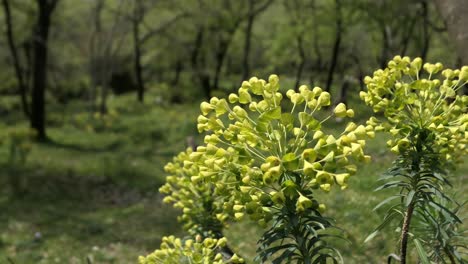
191,188
281,150
20,140
95,122
410,101
174,250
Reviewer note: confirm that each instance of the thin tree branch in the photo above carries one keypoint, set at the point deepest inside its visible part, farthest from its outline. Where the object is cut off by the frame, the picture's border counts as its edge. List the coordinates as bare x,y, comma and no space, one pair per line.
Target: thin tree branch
163,27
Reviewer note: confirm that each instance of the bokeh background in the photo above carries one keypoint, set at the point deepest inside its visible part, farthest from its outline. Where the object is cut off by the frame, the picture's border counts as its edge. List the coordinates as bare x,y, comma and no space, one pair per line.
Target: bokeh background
112,89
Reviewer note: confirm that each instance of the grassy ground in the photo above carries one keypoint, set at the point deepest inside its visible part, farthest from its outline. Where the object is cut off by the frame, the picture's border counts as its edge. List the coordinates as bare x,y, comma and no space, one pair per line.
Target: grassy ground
94,194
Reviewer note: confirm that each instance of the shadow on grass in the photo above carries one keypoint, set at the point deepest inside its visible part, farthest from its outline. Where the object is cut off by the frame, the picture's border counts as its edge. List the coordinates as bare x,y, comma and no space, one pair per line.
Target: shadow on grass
78,147
73,211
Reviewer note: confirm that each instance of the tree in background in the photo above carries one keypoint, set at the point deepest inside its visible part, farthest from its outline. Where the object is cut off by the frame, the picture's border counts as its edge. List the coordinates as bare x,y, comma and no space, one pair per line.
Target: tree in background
454,13
254,9
45,10
105,44
336,44
178,44
22,83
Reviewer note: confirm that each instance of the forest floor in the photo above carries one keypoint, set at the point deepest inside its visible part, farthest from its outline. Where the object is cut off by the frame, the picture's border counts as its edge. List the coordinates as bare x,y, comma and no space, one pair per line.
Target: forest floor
93,195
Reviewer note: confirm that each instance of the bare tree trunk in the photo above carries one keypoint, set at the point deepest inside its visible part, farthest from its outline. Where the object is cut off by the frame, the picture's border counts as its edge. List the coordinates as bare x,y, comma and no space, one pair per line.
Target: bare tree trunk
318,65
95,61
221,52
248,38
360,73
300,68
40,65
109,53
385,45
198,68
14,54
336,45
426,35
455,15
220,55
248,34
27,49
137,18
177,71
344,91
407,36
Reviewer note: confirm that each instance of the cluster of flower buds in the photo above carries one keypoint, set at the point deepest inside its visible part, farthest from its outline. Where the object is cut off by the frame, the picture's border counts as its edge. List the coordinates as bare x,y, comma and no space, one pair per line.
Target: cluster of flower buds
21,139
175,250
280,148
409,101
191,186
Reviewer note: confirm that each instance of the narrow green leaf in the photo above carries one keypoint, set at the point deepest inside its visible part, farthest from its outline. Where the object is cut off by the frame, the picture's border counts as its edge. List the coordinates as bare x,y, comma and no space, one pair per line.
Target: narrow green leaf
409,197
421,252
386,201
446,212
382,225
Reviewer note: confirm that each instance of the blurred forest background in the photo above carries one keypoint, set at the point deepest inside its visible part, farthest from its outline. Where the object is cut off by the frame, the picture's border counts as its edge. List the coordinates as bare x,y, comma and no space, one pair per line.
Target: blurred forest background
112,88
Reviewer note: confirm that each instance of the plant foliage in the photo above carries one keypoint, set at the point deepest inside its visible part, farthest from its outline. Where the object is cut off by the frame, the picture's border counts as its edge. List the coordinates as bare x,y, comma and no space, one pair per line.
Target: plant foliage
427,119
264,157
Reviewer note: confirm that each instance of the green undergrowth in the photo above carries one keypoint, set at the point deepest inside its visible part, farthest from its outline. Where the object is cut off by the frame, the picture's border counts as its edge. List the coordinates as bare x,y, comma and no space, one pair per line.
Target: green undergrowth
93,195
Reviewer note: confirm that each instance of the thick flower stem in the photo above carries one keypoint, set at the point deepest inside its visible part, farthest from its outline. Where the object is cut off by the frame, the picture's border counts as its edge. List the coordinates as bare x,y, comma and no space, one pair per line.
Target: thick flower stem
450,256
404,232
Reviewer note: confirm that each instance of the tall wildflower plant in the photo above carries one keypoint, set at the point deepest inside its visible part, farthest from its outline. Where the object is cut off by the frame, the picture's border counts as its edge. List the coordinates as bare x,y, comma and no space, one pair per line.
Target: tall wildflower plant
20,143
196,198
265,156
427,118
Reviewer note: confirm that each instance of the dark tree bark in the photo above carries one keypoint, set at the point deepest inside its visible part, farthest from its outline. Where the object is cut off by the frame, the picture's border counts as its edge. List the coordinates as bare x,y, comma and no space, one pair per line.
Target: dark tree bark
45,9
198,63
386,38
27,50
344,91
318,65
248,38
407,36
336,45
22,85
94,54
426,36
360,71
111,44
137,18
178,69
251,15
455,15
302,56
220,55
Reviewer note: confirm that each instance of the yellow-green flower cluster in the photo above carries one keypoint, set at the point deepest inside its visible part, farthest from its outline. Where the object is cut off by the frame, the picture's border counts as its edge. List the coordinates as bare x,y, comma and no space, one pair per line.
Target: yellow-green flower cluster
409,101
20,141
191,186
96,122
175,250
282,151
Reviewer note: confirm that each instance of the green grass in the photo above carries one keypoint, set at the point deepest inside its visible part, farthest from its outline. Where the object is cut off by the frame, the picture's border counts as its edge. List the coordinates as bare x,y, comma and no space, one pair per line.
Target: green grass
94,195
